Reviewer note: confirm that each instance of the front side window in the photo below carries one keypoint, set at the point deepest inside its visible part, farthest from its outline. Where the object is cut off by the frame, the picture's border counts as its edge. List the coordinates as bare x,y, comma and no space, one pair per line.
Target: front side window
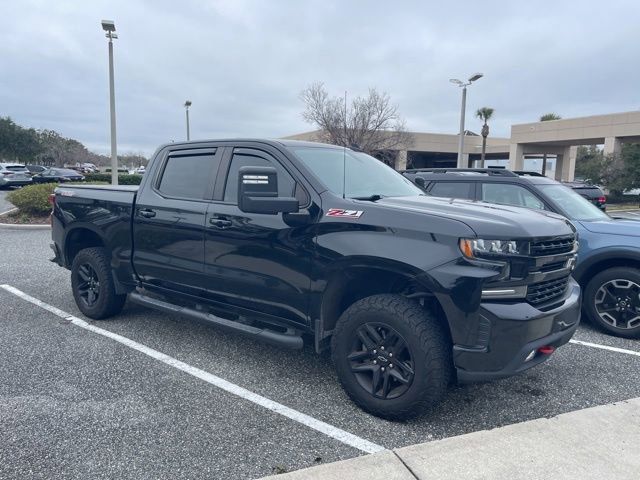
286,184
355,174
453,190
509,194
187,176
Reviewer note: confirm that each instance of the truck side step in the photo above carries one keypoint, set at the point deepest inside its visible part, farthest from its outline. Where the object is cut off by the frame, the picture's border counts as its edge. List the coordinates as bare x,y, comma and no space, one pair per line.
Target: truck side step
269,336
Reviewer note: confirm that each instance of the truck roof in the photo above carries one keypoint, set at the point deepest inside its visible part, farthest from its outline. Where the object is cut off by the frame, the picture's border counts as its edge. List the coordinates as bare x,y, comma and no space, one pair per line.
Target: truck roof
269,141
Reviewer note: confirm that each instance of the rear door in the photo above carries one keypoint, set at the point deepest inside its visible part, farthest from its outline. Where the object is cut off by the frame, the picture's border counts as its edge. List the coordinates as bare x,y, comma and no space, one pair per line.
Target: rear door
256,262
169,219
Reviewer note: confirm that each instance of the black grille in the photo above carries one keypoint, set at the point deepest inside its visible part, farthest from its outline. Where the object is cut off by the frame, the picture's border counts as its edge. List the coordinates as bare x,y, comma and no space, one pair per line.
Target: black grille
550,267
554,246
543,292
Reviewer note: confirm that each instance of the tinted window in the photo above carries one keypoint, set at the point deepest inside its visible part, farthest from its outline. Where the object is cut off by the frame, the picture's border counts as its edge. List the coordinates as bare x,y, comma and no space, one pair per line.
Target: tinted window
453,190
509,194
187,176
285,182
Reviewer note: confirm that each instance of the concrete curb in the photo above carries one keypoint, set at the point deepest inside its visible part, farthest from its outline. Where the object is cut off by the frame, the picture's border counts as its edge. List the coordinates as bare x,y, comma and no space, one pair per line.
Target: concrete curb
575,445
18,226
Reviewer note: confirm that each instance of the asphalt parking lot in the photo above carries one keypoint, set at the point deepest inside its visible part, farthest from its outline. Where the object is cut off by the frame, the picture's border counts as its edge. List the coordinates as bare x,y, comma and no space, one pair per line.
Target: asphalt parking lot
77,404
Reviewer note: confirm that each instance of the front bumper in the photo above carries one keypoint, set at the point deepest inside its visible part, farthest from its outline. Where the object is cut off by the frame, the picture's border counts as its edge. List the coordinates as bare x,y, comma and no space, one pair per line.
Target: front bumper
511,332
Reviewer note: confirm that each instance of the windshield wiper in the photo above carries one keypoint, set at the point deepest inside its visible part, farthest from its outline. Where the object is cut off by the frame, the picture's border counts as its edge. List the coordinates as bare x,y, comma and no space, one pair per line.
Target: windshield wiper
371,198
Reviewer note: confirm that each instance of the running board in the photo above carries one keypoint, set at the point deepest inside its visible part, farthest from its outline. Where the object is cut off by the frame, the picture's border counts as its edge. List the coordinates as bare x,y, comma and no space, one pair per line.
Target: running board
265,335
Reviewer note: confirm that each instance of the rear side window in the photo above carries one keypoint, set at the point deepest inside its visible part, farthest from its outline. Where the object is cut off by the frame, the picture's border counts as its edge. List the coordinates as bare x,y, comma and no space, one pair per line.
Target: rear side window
286,184
509,194
187,176
453,190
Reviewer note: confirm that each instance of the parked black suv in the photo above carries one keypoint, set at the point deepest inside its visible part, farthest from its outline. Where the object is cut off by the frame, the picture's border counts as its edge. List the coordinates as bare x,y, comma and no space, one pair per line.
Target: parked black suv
281,239
608,262
592,193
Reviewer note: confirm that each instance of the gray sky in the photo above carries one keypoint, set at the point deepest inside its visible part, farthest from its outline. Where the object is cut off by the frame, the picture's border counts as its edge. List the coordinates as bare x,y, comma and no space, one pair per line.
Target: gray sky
244,63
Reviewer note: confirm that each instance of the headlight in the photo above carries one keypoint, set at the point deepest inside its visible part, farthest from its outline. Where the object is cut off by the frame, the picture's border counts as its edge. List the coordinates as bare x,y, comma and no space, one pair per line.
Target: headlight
473,248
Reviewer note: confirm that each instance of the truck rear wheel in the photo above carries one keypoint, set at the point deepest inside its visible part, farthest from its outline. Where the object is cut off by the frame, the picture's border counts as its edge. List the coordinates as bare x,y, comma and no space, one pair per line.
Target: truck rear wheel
93,286
612,301
392,356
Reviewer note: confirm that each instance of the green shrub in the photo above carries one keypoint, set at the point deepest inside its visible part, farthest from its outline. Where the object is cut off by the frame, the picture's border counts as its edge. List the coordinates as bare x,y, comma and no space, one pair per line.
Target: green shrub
106,177
33,199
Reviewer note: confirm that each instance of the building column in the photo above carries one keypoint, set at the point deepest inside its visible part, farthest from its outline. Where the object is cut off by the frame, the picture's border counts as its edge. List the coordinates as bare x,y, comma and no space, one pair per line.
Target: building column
566,164
516,156
612,146
464,161
401,160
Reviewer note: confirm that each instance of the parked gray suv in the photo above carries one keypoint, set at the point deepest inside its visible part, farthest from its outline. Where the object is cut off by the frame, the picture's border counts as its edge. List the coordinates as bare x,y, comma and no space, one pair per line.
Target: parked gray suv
14,175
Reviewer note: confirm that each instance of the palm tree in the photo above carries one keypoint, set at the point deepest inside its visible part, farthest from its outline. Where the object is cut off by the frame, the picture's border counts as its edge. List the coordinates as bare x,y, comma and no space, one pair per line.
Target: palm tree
546,118
484,114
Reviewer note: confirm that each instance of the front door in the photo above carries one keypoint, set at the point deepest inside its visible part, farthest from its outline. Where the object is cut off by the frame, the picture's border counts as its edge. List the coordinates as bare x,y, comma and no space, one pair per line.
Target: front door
169,219
255,262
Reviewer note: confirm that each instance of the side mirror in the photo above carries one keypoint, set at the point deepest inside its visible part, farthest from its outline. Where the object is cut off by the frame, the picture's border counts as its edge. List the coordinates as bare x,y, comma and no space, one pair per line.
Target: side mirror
419,181
258,192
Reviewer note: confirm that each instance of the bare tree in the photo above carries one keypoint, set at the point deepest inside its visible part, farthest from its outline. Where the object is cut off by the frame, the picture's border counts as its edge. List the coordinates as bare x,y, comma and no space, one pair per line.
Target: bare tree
371,123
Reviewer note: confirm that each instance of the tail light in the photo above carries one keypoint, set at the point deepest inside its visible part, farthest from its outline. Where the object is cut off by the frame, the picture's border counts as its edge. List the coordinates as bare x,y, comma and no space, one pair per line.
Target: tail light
602,199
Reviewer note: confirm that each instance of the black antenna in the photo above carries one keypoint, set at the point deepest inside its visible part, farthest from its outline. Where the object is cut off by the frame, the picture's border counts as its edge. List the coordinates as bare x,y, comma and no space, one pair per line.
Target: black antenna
344,149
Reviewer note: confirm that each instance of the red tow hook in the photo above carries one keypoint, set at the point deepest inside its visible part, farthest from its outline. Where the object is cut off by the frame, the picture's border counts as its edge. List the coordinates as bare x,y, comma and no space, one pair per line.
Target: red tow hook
546,350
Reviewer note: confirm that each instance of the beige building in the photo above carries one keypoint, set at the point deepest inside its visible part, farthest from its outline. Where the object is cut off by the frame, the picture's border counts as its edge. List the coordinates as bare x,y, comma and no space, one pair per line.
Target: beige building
562,138
558,139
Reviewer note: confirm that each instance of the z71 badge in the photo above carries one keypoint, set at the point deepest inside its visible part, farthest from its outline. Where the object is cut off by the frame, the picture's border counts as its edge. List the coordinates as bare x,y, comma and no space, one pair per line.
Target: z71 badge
339,212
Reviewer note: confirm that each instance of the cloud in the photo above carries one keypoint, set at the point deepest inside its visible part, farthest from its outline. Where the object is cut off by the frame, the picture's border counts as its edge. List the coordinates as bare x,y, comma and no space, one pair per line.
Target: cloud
243,63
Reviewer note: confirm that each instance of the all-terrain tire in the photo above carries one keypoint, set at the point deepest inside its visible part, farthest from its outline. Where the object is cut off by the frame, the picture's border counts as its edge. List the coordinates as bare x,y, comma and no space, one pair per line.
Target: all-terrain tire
623,276
425,338
92,279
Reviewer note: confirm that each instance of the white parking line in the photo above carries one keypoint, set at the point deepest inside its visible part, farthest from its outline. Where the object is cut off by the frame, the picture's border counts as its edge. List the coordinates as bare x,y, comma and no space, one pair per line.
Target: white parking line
322,427
605,347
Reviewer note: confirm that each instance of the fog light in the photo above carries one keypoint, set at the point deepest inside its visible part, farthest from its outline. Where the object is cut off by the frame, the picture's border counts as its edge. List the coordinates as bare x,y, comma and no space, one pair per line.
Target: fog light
530,356
546,350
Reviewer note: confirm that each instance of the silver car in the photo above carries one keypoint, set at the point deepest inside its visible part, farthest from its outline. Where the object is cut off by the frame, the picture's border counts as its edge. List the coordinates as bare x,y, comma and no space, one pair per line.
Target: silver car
14,175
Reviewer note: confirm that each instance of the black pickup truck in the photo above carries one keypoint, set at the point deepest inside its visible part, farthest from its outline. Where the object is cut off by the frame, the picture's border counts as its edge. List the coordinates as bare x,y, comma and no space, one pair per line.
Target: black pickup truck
290,241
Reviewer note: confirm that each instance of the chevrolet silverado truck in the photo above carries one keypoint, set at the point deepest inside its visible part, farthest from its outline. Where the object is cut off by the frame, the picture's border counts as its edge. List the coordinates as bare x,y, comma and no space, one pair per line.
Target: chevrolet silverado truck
290,242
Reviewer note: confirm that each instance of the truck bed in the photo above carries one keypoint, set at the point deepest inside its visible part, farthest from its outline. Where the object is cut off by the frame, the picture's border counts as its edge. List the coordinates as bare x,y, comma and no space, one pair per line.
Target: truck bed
103,210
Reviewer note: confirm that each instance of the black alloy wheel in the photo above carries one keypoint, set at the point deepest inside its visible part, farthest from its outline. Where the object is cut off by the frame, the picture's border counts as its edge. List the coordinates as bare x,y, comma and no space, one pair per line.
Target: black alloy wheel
381,361
93,285
392,356
88,284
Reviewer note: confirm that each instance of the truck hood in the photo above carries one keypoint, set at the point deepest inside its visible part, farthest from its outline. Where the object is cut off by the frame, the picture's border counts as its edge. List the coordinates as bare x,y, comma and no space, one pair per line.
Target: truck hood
630,228
485,219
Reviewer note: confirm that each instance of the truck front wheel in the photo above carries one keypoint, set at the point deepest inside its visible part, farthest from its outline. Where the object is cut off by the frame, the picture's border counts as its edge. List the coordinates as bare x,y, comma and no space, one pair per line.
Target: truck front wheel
93,286
392,356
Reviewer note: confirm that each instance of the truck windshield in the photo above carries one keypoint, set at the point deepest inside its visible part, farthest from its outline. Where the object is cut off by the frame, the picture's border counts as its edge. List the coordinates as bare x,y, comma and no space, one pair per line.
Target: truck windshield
358,174
572,205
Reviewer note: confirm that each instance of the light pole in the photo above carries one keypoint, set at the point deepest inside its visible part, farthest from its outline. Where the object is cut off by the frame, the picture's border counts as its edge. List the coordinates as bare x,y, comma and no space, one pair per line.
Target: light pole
464,85
110,27
187,104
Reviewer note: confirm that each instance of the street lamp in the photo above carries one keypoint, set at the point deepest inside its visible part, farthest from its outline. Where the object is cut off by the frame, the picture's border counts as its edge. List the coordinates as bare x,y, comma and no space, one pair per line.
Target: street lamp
464,85
187,104
110,27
